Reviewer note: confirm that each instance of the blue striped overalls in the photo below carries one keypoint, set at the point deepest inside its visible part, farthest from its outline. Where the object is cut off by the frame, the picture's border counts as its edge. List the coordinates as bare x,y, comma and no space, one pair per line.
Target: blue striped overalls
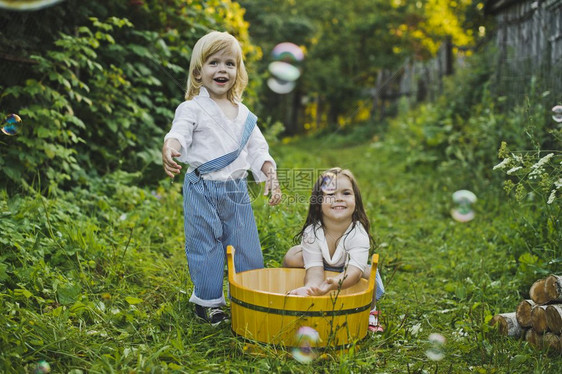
217,214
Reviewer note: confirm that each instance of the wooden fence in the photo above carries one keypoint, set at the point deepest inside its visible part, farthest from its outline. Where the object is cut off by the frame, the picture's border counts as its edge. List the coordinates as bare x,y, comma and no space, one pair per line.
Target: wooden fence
528,43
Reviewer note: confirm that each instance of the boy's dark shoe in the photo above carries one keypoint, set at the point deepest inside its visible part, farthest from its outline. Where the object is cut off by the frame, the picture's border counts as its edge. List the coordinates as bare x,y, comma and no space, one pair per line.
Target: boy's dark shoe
213,315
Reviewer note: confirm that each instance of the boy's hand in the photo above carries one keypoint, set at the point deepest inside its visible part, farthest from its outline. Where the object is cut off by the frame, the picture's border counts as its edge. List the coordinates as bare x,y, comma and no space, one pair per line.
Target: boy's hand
271,184
169,151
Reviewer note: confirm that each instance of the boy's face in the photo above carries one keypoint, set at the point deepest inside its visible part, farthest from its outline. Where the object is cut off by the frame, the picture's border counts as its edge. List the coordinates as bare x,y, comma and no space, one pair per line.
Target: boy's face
218,74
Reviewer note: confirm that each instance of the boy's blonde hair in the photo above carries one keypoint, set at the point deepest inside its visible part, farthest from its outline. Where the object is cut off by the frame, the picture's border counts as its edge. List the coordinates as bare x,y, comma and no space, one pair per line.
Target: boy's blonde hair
208,45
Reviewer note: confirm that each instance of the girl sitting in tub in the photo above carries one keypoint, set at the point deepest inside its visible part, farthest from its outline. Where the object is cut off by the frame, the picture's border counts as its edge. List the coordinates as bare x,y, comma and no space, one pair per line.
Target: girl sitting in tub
335,237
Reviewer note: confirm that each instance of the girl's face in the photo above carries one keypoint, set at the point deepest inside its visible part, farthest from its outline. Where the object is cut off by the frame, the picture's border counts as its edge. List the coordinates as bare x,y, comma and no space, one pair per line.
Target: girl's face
338,202
218,74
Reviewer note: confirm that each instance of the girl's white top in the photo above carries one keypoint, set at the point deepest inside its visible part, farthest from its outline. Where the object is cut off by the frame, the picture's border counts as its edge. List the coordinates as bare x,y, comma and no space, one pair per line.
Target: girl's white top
352,248
205,133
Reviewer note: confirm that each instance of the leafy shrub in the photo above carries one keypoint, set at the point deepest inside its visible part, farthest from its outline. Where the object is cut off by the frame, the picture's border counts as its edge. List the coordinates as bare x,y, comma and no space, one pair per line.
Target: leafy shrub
459,135
100,97
534,181
460,132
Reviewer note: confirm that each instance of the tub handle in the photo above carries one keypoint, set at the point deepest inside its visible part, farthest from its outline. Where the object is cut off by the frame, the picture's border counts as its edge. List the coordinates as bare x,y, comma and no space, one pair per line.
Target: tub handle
373,277
230,262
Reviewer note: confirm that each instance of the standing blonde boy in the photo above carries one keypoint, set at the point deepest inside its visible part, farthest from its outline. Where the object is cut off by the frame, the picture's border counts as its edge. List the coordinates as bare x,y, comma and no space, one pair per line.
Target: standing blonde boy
216,135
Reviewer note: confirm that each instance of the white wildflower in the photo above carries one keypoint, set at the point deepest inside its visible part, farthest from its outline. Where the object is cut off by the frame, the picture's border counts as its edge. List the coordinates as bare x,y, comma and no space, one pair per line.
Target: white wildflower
460,333
415,329
517,158
558,183
513,170
538,168
502,164
542,161
551,197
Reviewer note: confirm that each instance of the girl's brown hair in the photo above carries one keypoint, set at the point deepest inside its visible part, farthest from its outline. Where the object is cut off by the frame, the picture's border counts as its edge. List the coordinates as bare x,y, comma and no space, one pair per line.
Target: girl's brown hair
314,216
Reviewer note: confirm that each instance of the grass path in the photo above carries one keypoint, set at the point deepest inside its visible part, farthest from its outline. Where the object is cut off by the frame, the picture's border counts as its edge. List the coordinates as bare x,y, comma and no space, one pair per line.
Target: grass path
441,276
97,282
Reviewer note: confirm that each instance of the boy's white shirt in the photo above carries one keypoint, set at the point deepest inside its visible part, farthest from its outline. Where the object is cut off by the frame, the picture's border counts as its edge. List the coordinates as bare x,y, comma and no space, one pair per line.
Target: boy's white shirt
205,133
354,242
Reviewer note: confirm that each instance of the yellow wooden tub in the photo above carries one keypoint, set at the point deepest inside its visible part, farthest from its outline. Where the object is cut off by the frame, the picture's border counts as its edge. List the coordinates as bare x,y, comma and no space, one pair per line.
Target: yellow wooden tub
263,312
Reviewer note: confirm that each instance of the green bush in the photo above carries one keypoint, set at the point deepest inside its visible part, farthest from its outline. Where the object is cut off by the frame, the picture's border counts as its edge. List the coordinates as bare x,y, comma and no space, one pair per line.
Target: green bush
533,179
459,135
100,96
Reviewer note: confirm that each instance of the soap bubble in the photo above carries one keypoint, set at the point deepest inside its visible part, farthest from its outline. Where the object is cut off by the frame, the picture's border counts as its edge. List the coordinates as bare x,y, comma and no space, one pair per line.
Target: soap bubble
280,86
284,71
329,183
287,51
463,200
42,367
11,125
557,113
27,5
435,352
307,338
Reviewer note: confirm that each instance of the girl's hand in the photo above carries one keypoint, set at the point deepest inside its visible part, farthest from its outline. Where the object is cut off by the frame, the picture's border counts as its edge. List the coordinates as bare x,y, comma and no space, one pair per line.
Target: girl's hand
301,291
169,151
315,291
328,285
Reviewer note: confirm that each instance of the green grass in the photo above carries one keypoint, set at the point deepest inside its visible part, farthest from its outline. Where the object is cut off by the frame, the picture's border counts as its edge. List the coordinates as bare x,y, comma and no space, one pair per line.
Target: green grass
96,281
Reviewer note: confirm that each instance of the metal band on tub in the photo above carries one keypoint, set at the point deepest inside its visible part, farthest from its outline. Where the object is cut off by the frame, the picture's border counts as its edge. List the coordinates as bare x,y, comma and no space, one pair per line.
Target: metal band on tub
301,313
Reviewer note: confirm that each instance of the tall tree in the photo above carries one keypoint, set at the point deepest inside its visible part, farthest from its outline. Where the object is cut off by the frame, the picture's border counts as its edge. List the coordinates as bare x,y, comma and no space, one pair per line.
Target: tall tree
349,43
